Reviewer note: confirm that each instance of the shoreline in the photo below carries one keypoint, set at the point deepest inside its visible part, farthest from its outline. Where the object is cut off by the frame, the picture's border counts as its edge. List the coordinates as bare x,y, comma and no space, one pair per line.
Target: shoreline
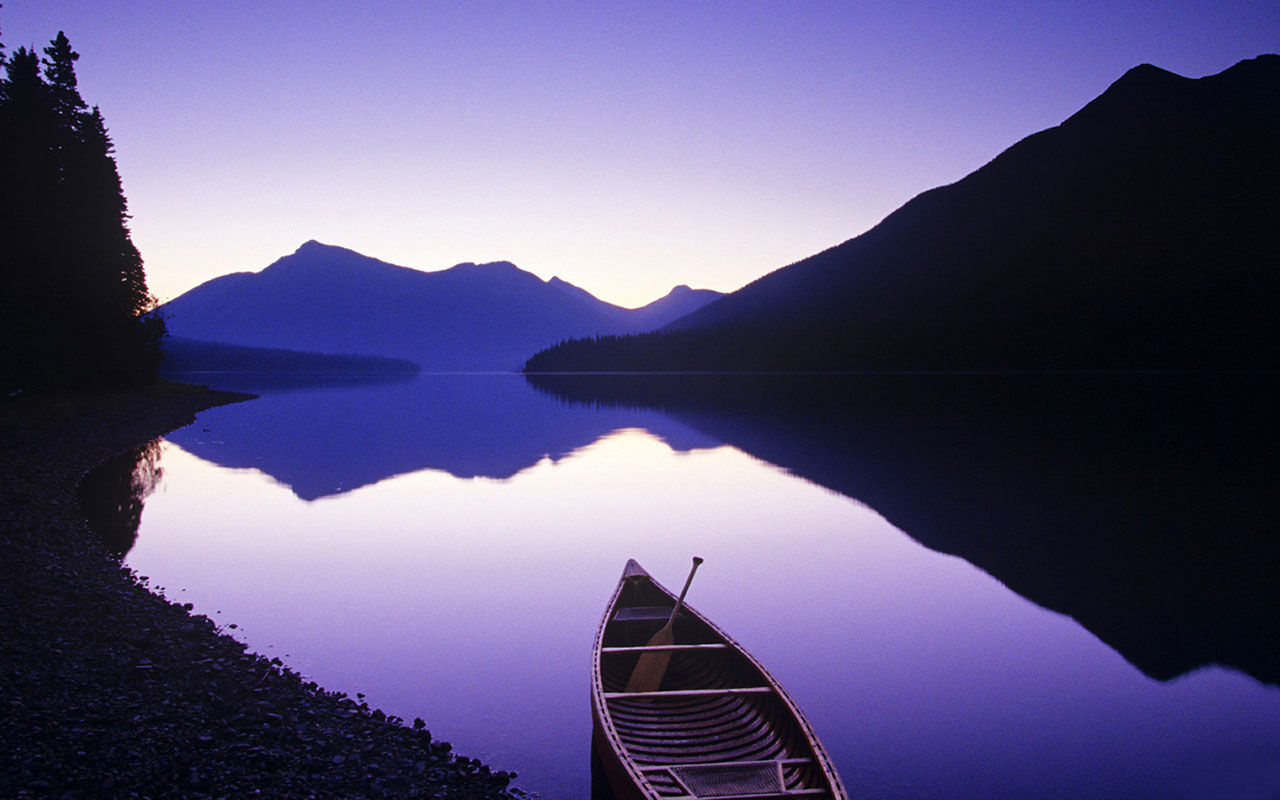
109,690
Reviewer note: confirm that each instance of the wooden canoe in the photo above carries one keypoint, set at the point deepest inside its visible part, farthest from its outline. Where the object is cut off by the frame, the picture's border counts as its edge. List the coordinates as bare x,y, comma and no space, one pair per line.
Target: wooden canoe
719,726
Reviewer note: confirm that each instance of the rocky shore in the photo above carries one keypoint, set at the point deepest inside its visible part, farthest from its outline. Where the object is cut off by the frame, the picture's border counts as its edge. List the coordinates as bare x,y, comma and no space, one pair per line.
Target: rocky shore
107,690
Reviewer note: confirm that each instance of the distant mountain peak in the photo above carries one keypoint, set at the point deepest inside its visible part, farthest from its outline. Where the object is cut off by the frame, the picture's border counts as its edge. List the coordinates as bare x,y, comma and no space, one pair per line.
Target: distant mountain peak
488,266
1147,87
1259,69
1148,73
1145,79
492,272
313,247
1140,86
576,292
316,259
312,250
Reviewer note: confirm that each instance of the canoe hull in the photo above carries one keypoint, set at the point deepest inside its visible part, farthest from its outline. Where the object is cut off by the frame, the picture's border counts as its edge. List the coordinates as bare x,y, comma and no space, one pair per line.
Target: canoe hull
621,786
719,726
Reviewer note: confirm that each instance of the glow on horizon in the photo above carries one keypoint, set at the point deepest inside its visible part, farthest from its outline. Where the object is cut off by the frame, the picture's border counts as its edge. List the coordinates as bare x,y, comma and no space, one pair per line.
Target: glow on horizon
625,149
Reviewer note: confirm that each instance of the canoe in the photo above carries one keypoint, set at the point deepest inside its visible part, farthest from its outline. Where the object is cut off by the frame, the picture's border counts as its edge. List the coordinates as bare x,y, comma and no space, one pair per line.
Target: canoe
719,725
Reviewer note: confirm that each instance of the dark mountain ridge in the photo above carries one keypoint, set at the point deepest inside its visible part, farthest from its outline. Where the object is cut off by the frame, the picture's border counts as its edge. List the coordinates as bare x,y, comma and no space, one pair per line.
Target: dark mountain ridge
1138,234
470,317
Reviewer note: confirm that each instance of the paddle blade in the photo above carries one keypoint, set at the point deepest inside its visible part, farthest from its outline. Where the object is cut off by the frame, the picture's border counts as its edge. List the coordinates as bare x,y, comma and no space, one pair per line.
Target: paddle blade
650,669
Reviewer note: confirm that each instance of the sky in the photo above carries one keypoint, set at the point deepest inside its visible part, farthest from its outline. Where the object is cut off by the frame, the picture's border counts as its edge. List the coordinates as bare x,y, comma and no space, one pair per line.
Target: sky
623,147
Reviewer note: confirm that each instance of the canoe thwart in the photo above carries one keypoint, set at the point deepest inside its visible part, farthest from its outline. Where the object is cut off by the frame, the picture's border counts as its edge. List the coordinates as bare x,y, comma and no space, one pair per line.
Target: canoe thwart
785,794
643,614
643,648
786,762
688,693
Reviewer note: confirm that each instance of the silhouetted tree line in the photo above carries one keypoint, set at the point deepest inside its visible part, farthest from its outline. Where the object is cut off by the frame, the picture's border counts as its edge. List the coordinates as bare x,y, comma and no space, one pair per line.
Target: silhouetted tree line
774,345
734,348
74,291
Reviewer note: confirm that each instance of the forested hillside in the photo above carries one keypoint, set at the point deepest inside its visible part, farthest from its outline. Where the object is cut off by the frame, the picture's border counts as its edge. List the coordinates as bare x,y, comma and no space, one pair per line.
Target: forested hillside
1140,234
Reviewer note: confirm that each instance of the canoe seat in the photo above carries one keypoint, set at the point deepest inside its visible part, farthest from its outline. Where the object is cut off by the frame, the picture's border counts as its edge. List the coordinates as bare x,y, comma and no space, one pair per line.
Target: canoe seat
719,781
734,780
643,614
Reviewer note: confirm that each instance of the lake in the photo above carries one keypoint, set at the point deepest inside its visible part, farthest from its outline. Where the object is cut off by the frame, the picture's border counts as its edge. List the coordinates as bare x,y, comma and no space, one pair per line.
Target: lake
444,547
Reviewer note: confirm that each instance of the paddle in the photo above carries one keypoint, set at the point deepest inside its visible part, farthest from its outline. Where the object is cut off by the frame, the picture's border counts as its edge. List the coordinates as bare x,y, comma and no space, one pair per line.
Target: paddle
647,676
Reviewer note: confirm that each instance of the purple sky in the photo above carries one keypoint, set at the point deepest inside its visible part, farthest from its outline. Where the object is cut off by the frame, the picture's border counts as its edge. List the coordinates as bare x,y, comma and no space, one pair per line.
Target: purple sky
624,147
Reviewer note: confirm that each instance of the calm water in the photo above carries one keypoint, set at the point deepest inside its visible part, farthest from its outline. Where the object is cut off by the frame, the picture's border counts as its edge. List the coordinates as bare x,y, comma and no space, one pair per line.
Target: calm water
445,546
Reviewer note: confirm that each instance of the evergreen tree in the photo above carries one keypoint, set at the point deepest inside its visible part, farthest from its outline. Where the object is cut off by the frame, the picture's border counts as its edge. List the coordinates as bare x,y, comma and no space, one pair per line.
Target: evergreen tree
60,71
31,177
73,314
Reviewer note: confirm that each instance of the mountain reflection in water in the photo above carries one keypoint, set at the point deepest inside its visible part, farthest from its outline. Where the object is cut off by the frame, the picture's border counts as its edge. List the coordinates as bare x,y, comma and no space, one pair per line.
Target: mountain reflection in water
1142,505
334,438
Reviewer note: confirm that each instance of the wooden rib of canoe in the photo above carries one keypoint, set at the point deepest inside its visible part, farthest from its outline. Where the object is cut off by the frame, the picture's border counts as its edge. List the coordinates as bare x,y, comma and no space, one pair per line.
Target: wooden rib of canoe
719,726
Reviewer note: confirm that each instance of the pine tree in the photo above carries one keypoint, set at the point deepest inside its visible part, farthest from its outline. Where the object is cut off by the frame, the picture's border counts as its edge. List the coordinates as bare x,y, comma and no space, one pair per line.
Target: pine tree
27,160
75,281
60,71
111,281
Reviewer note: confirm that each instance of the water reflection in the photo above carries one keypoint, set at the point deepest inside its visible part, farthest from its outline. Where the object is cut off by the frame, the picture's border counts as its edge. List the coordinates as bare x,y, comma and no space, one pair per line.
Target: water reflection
113,493
332,439
471,601
1144,506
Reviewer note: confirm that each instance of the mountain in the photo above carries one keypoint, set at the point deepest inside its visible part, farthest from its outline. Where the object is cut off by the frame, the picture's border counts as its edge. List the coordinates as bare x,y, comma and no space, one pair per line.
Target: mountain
678,303
190,355
1139,234
469,317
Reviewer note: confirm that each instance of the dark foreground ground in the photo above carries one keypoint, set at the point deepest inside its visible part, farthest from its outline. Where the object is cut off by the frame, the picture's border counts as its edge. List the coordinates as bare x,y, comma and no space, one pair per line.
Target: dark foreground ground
107,690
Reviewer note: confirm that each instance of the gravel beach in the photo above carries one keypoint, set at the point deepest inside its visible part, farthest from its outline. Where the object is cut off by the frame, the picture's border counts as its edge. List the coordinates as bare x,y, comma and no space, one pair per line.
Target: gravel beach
108,690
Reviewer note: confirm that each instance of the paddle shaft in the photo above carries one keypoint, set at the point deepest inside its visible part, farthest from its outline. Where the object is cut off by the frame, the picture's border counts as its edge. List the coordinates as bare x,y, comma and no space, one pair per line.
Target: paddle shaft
680,600
651,667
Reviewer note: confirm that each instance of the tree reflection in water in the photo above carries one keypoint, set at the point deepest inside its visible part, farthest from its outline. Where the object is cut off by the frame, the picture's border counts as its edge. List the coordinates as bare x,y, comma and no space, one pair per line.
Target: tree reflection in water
112,495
